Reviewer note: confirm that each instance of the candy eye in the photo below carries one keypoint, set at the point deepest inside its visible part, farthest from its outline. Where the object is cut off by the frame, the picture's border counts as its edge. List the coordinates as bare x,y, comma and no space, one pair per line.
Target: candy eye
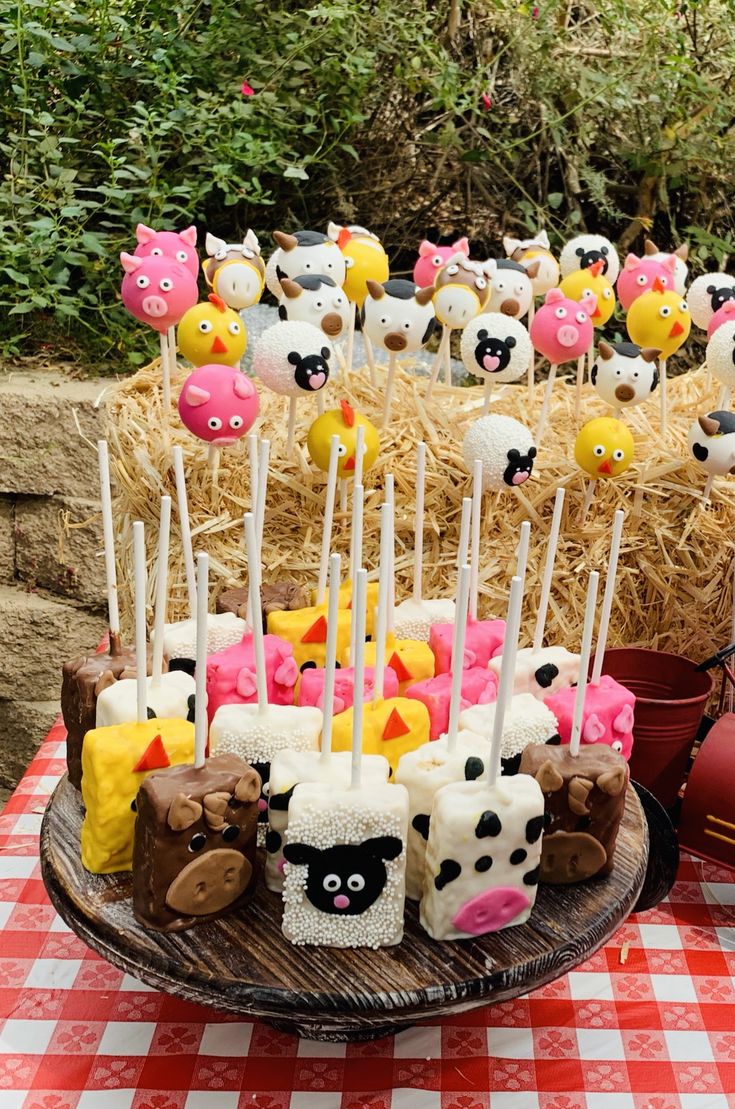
234,328
617,746
406,325
349,263
641,279
156,252
329,266
214,423
205,326
607,293
452,270
385,321
165,284
664,311
683,306
332,883
480,283
341,450
339,301
236,422
587,293
142,282
598,451
355,882
307,265
560,313
581,317
500,286
437,260
182,256
197,842
230,833
318,304
618,455
635,373
664,281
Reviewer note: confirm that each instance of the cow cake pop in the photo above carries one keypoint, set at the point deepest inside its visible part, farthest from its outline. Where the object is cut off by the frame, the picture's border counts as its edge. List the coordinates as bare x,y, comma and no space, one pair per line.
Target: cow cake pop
720,359
584,250
235,271
504,446
535,256
303,252
399,318
638,275
318,300
681,269
496,348
511,290
562,330
712,443
195,830
707,294
345,873
179,246
660,318
433,257
294,359
211,332
218,404
624,374
461,291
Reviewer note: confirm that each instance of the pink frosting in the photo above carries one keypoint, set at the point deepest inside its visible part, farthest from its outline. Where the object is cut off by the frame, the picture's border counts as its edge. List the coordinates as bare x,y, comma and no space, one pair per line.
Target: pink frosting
483,641
562,328
218,404
638,274
311,690
432,258
231,674
722,315
180,246
490,910
156,290
479,686
608,714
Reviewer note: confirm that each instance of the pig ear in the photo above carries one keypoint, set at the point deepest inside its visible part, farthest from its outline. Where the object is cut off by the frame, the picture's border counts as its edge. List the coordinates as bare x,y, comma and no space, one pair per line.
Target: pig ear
182,813
632,262
144,234
249,786
463,246
669,263
682,251
333,230
243,387
290,288
623,722
649,354
426,248
130,263
589,303
376,290
195,395
604,350
213,245
189,235
594,729
553,296
423,296
649,248
251,241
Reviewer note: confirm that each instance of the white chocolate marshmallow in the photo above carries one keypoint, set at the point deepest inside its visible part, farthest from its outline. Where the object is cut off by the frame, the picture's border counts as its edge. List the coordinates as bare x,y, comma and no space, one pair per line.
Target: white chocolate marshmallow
526,720
413,619
118,703
224,629
542,672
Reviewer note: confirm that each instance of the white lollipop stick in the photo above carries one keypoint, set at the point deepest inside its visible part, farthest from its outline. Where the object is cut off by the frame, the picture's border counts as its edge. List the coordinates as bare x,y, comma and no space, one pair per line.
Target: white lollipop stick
329,497
381,626
251,542
448,361
523,550
664,403
532,359
418,543
464,532
355,558
359,595
584,663
359,454
607,600
330,664
165,372
578,390
553,541
253,456
291,423
173,367
113,612
475,536
350,342
390,498
200,674
724,398
389,388
264,450
437,364
544,414
487,396
186,547
139,580
507,674
159,615
320,402
370,355
458,641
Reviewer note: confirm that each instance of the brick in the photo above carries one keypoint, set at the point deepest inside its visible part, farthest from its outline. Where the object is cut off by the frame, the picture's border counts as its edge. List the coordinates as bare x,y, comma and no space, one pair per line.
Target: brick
58,547
7,539
23,726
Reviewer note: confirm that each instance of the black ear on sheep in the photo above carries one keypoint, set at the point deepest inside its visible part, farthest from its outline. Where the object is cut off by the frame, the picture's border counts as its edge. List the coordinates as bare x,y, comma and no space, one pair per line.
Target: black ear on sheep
294,358
300,854
510,342
711,289
482,333
383,847
326,352
532,452
604,250
513,455
579,252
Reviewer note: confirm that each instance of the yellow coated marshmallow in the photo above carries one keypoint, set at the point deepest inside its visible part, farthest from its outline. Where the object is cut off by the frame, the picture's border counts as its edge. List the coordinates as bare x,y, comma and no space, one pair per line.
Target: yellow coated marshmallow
390,728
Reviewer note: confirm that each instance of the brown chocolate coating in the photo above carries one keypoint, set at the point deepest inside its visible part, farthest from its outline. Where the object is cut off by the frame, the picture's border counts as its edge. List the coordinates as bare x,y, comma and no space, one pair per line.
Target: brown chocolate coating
281,596
195,840
584,800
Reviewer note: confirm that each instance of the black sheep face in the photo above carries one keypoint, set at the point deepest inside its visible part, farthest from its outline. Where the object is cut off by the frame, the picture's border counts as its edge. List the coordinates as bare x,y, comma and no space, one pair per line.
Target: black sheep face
588,258
347,879
491,353
520,466
311,372
720,296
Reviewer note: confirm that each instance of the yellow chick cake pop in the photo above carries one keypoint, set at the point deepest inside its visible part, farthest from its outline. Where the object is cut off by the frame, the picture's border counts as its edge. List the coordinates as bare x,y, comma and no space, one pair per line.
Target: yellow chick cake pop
604,448
211,332
661,319
343,422
364,257
592,280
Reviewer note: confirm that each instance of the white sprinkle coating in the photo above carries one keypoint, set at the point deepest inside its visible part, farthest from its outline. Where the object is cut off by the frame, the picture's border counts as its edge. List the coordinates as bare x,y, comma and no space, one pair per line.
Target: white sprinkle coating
498,326
526,720
242,730
413,619
699,301
271,351
720,350
223,630
489,439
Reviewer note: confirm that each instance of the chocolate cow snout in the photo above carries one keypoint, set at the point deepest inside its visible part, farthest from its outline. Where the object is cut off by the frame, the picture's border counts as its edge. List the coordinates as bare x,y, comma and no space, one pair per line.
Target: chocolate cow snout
624,392
395,341
210,883
332,324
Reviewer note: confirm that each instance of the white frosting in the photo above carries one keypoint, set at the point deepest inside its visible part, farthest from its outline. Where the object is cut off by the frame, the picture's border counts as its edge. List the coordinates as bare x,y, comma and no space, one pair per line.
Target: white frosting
457,811
322,817
413,619
291,768
526,721
118,704
528,663
423,771
243,730
179,639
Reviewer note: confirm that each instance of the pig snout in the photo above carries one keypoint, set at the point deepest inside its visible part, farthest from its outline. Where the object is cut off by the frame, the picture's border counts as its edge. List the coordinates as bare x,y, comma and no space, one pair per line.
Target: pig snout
332,324
154,306
394,341
624,392
209,883
567,335
510,308
490,910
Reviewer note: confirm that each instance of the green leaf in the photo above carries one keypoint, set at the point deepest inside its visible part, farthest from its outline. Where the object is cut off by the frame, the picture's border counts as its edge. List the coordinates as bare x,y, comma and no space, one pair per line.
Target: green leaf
555,200
296,171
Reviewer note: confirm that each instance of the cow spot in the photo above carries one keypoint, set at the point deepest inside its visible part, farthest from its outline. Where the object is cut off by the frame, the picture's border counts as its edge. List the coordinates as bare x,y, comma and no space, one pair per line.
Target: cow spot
534,828
583,824
488,824
531,878
448,871
554,740
187,665
420,823
700,452
191,708
546,674
280,801
483,863
150,713
473,768
518,856
272,841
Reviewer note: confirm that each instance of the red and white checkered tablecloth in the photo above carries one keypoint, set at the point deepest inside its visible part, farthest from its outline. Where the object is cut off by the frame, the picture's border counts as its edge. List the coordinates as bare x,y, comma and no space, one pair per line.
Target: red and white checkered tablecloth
75,1033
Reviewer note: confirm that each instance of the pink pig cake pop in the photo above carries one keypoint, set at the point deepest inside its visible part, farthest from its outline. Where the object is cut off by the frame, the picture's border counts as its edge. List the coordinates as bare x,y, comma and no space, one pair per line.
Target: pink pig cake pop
638,275
561,330
433,258
218,404
157,290
180,246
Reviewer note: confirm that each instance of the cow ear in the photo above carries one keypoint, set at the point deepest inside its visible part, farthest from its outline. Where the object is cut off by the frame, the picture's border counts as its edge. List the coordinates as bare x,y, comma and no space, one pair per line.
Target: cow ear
189,235
532,269
242,387
143,234
129,262
182,813
604,351
286,242
291,289
213,245
708,424
333,230
510,342
426,248
376,290
248,787
682,251
251,241
294,358
195,395
326,353
649,248
300,854
510,245
423,296
649,354
384,847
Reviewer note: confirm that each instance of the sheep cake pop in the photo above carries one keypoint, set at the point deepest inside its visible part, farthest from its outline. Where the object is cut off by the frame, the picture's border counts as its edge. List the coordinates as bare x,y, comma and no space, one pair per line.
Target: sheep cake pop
511,291
433,257
581,252
562,330
681,270
210,331
399,318
294,359
505,448
303,252
218,404
535,256
496,348
711,442
179,246
660,318
235,271
638,275
317,300
624,374
707,294
461,290
720,359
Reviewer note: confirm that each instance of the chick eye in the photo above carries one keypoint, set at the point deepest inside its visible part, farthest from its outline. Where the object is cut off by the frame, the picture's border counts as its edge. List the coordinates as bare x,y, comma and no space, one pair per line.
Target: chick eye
156,252
341,450
664,311
480,282
236,422
214,423
618,455
617,746
641,279
581,317
205,326
142,282
385,321
197,842
587,293
166,284
318,304
355,882
182,256
436,260
607,293
683,307
452,270
332,883
234,328
560,313
598,450
349,263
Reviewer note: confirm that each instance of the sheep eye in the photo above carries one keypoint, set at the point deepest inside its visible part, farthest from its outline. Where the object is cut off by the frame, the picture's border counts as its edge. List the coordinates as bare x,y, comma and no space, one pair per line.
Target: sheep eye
331,883
355,882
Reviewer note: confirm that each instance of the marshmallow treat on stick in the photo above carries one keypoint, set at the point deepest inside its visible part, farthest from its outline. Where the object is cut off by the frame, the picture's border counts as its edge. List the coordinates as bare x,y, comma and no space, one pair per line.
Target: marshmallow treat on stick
345,878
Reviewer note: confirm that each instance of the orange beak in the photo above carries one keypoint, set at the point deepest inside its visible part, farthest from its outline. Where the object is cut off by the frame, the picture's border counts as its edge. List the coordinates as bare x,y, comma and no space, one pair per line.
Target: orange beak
596,313
605,467
218,347
350,463
677,329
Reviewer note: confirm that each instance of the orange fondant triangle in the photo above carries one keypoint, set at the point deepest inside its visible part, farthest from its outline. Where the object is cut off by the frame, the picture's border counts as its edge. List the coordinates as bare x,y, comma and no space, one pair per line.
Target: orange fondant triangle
395,726
154,757
396,663
317,633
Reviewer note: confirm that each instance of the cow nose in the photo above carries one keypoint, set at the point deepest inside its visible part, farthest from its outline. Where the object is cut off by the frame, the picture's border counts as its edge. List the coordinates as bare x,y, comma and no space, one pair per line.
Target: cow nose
332,324
154,306
624,392
395,341
490,910
510,308
567,335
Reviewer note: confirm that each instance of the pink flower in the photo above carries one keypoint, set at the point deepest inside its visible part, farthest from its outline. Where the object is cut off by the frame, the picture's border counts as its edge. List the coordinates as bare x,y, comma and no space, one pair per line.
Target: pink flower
535,12
246,89
486,101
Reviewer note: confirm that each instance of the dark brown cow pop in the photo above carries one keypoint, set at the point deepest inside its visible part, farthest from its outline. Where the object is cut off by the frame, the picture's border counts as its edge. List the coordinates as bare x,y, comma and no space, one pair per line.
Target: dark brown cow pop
280,596
584,798
195,839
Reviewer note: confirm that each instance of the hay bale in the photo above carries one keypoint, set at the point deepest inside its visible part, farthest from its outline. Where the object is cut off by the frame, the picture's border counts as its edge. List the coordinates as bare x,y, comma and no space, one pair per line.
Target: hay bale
674,579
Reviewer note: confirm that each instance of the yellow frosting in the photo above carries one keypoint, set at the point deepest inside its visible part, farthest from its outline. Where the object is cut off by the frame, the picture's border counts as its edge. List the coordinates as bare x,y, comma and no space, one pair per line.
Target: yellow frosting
109,785
345,601
379,717
294,625
415,656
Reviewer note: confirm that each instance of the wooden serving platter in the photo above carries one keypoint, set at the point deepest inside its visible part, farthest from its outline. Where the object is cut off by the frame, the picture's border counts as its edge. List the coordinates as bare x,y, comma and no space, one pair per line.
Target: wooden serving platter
243,965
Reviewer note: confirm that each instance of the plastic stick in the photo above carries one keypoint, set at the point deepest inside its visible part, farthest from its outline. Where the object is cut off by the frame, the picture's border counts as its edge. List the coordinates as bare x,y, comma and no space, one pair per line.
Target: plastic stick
330,664
355,558
475,536
251,542
185,525
464,532
359,454
507,674
437,363
589,623
141,659
607,600
578,390
329,498
552,543
544,414
458,641
370,355
487,396
418,529
390,499
113,611
291,423
159,614
253,456
350,342
532,359
381,625
448,361
264,450
359,594
165,373
200,674
664,403
523,542
389,388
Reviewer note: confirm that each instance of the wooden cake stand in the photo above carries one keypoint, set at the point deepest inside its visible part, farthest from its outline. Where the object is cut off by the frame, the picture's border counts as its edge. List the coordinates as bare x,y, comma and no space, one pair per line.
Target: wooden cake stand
243,965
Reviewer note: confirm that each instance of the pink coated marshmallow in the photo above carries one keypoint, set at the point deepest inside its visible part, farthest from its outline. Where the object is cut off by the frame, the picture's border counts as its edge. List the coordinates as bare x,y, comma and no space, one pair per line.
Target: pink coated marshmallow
311,690
608,714
157,290
638,275
179,246
562,328
479,686
483,641
218,404
231,674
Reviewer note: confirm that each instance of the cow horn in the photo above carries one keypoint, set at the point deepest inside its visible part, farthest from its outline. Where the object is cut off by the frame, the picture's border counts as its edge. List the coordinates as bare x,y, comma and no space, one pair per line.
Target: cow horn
649,247
376,290
423,296
286,242
212,244
682,251
708,425
291,288
650,354
604,350
182,813
612,782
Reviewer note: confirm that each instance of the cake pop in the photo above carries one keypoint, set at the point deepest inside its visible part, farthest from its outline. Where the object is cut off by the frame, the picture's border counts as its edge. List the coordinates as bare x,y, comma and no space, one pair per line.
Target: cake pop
504,446
712,443
723,315
721,359
210,330
535,256
179,246
304,252
365,259
581,252
399,318
638,275
591,282
496,348
432,257
218,404
511,291
235,271
294,359
624,375
660,318
315,299
342,422
461,290
707,294
604,448
562,329
681,269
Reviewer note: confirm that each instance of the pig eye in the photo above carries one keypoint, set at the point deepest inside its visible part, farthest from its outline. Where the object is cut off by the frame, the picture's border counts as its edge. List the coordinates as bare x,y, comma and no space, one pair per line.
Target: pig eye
341,450
436,260
142,282
332,883
166,284
236,422
234,328
230,833
581,317
385,321
156,252
598,451
197,842
355,882
481,283
617,746
318,304
214,423
205,326
452,270
664,311
641,279
560,313
618,455
182,256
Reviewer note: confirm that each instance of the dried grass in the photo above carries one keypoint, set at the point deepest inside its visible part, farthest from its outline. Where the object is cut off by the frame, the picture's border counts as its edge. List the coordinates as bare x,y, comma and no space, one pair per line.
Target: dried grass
674,578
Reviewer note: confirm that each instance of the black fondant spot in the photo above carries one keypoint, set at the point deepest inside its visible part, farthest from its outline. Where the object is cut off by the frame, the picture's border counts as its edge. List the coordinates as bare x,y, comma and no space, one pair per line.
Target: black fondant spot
448,871
518,856
583,823
546,674
188,665
272,841
308,665
230,833
531,879
593,374
473,768
534,828
280,801
547,820
700,453
554,740
150,713
483,863
190,705
421,824
488,824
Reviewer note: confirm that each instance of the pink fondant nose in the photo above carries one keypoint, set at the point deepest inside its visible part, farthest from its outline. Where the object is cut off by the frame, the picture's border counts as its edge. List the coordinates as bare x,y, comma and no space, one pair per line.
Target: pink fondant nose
317,380
520,477
567,335
223,441
154,306
490,910
262,805
491,362
341,902
281,865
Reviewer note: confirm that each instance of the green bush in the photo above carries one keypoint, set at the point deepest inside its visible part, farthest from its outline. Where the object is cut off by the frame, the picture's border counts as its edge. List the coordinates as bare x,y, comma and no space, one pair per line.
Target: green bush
612,117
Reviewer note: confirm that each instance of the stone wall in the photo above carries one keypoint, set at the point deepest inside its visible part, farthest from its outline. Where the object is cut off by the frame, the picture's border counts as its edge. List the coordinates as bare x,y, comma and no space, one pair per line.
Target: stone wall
52,602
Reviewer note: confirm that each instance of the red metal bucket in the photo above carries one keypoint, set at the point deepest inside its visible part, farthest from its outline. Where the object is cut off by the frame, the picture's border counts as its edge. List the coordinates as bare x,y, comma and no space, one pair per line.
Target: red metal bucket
671,695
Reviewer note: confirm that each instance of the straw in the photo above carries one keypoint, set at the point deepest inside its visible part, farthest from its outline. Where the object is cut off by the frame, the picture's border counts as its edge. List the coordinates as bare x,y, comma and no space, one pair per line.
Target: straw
553,542
185,526
141,659
607,601
251,543
109,542
507,675
460,631
329,497
381,627
330,664
359,596
418,543
159,614
525,537
586,650
200,674
475,541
